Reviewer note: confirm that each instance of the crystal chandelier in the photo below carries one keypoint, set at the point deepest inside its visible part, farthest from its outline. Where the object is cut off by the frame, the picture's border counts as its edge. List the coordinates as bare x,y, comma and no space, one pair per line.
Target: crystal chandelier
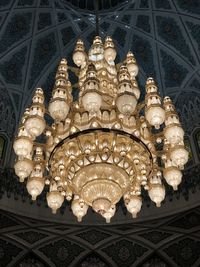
107,145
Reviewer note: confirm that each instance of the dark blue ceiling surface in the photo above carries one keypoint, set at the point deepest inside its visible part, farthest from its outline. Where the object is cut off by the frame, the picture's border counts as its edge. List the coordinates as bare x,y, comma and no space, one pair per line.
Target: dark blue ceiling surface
93,4
36,34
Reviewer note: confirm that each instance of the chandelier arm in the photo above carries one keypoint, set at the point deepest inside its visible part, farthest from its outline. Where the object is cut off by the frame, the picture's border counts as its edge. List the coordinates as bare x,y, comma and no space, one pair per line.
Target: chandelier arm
75,70
140,106
75,135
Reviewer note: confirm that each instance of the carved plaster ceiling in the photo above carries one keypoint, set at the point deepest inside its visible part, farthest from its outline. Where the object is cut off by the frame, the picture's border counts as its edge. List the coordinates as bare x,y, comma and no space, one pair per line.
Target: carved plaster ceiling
89,5
170,242
36,34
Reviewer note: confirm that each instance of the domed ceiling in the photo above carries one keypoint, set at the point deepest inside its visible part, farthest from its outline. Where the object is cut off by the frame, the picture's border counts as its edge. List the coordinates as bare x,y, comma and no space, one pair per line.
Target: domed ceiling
36,34
93,5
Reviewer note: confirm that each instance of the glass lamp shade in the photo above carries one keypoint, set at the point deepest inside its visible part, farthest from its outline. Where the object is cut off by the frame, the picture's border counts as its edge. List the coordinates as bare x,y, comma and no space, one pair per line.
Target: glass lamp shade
23,146
96,52
173,176
155,116
157,194
23,168
54,200
35,185
79,210
134,205
92,102
174,134
110,54
58,109
132,69
35,125
101,205
79,58
179,156
109,214
126,103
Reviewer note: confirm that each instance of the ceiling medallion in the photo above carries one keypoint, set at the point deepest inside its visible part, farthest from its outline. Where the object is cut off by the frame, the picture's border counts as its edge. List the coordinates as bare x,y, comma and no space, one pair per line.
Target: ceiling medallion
105,146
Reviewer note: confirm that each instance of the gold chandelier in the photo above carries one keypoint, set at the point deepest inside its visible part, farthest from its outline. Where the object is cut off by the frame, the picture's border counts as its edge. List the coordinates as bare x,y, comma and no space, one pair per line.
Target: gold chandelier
105,146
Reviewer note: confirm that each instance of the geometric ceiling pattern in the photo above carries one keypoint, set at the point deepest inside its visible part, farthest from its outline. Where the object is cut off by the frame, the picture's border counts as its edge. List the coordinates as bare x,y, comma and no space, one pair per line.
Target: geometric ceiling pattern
165,38
36,34
170,242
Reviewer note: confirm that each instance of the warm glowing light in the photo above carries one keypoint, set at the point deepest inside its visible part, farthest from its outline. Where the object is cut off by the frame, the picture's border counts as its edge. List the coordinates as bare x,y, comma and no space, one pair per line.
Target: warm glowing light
103,147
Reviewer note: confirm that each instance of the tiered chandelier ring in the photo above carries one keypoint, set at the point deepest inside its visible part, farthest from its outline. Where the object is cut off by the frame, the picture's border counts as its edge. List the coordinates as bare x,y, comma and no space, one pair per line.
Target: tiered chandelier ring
104,146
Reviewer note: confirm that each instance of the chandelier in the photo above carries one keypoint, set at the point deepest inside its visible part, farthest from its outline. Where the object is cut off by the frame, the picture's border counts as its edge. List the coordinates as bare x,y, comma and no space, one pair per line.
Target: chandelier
107,145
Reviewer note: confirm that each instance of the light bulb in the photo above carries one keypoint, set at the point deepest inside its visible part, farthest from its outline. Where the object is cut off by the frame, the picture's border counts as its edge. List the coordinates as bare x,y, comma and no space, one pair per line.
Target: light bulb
155,116
134,205
92,102
110,54
157,193
58,109
79,210
174,134
35,186
126,103
101,205
54,200
179,156
133,69
173,176
109,214
23,168
35,125
23,146
79,58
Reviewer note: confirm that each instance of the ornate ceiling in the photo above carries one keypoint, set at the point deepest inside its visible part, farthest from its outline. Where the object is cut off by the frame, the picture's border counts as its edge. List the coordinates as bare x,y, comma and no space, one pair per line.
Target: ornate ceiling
36,34
170,242
91,5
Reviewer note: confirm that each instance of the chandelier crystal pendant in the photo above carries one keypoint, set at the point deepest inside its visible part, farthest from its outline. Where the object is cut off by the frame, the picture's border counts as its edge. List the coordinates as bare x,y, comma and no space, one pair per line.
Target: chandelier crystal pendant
107,145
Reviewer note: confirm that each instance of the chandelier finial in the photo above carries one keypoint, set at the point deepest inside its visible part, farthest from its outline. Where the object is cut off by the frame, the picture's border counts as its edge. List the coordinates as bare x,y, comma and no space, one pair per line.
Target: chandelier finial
154,112
132,65
61,97
126,100
109,50
91,99
79,55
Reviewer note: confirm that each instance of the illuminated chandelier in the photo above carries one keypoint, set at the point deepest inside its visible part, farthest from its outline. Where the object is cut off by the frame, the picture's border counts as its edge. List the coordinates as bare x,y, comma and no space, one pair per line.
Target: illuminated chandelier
106,145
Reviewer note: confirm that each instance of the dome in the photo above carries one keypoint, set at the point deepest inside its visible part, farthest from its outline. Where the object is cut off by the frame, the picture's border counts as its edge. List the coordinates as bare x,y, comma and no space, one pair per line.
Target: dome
90,5
163,35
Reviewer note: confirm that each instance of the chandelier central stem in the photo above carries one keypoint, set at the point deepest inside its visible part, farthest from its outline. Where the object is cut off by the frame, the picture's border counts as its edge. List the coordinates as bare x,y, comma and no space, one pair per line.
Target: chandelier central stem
96,3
